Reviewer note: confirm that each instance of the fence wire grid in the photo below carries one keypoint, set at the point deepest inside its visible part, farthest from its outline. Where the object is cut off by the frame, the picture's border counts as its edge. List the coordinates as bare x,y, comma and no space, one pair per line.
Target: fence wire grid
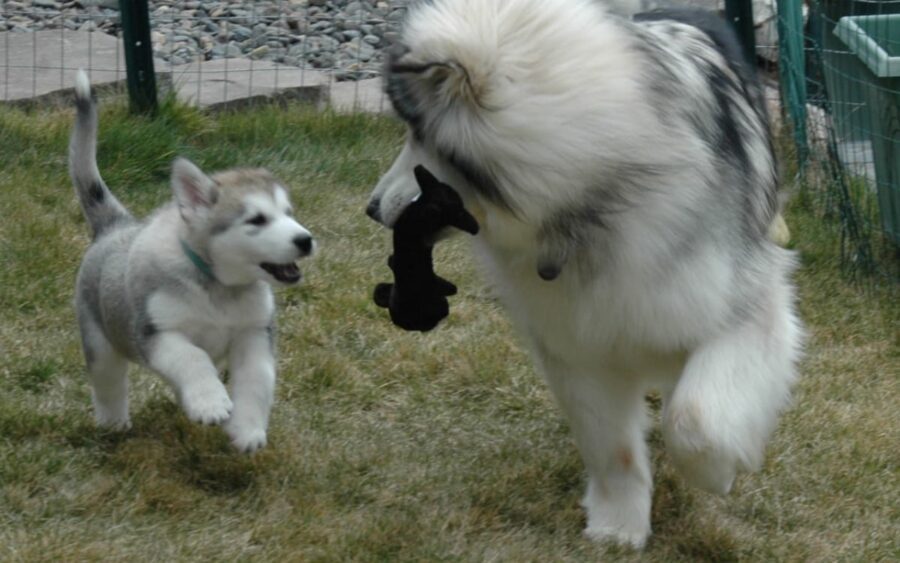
840,79
213,53
836,64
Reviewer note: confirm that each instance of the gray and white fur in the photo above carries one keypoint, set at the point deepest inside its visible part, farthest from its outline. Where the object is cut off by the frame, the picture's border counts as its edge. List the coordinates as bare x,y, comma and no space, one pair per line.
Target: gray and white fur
186,290
623,176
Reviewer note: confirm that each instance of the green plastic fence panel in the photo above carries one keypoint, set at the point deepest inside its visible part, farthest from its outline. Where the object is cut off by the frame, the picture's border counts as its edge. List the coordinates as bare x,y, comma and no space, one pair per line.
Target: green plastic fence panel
792,71
875,40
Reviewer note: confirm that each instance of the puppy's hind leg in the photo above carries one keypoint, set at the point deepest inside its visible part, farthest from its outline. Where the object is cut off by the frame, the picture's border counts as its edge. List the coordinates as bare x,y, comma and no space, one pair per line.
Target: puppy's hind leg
107,372
726,404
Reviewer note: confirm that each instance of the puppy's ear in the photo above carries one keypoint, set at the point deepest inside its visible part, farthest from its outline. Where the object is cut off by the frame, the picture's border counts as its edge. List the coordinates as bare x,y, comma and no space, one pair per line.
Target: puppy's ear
194,191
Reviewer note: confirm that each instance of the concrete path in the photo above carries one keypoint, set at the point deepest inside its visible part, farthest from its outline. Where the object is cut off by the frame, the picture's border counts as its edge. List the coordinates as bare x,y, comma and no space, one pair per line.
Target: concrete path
40,67
34,67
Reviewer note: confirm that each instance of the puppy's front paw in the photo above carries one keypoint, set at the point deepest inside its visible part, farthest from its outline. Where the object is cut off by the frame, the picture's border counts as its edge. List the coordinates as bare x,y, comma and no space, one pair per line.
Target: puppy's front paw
244,438
207,403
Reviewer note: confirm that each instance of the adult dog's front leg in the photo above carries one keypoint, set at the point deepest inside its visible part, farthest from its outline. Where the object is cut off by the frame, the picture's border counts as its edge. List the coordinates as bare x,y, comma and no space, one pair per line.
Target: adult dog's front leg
607,418
726,404
190,372
252,384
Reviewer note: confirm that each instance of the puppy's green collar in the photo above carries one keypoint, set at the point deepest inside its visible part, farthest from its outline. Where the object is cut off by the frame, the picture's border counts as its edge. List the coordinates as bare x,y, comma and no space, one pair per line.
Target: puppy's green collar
200,263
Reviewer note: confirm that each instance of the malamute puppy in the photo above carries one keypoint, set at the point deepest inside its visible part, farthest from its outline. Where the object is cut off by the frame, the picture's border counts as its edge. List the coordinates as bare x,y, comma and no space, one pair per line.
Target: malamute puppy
185,290
624,180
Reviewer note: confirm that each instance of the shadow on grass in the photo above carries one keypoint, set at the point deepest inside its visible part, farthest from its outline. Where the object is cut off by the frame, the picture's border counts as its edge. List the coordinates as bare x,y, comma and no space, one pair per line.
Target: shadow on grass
678,525
163,443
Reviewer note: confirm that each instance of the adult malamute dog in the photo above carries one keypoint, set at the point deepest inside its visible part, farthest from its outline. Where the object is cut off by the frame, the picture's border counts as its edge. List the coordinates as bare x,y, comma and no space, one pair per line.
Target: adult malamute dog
624,180
186,289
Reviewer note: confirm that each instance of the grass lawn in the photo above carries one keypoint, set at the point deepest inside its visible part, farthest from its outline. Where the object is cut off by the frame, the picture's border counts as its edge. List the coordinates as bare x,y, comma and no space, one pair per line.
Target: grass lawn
384,445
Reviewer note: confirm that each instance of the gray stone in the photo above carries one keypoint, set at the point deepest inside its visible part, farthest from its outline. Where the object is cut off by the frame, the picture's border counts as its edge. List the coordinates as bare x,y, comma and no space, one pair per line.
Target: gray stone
231,50
108,4
240,33
259,52
322,60
358,49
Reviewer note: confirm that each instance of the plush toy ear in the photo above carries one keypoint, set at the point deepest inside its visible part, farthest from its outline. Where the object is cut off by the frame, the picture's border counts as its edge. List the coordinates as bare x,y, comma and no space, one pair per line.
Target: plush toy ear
382,295
465,222
462,220
194,191
444,287
425,178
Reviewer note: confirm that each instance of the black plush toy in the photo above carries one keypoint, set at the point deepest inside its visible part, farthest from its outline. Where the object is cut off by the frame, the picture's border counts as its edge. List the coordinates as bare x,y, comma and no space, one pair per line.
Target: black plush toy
417,300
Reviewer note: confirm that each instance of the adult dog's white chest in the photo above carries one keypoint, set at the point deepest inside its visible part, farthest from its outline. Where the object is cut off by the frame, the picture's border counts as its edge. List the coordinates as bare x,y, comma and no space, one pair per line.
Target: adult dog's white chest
211,320
605,308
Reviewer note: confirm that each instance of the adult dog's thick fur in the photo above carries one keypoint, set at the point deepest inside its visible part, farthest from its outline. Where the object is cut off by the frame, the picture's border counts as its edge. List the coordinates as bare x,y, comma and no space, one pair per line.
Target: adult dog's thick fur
624,179
185,290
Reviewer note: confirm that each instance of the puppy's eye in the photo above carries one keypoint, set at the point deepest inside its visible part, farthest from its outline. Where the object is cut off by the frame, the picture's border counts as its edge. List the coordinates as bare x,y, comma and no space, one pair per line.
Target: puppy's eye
259,220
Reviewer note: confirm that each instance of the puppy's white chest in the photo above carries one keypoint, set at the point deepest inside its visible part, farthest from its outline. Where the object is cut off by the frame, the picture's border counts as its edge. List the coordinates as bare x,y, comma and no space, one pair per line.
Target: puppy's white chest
211,322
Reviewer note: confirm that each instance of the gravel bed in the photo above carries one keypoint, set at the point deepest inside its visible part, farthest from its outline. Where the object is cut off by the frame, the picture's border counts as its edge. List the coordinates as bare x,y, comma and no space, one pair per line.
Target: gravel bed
343,36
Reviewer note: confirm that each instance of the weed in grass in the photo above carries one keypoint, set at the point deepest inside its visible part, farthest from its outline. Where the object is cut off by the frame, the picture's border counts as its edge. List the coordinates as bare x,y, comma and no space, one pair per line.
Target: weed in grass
38,376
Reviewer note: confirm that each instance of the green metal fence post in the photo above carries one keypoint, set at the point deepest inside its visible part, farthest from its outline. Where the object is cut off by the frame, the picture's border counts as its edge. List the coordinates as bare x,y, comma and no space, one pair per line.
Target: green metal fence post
138,55
740,14
792,68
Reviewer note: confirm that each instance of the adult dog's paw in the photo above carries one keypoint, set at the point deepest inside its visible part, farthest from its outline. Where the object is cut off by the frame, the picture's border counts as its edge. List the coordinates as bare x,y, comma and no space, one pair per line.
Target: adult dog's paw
112,423
633,538
207,403
624,520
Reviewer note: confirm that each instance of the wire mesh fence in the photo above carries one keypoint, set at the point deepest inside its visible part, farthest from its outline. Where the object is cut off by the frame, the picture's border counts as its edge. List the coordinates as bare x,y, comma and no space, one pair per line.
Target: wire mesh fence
840,71
837,61
213,53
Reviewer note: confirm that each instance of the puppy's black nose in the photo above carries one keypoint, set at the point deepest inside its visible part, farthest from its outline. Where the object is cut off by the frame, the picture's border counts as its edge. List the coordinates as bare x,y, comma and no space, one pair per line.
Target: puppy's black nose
304,243
372,209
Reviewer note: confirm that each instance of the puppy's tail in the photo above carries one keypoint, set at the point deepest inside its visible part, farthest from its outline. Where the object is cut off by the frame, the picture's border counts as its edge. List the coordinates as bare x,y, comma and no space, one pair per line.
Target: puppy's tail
101,209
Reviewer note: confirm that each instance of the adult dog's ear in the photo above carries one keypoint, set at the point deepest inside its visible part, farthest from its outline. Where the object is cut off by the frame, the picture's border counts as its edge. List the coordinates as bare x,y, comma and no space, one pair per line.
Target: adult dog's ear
418,83
194,191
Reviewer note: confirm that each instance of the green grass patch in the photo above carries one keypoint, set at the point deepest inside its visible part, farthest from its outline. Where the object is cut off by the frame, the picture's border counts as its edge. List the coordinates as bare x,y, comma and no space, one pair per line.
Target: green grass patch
385,445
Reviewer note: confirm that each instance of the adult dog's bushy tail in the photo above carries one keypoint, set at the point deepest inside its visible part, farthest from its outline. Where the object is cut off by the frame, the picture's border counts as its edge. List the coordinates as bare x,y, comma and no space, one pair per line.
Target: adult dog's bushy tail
100,207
